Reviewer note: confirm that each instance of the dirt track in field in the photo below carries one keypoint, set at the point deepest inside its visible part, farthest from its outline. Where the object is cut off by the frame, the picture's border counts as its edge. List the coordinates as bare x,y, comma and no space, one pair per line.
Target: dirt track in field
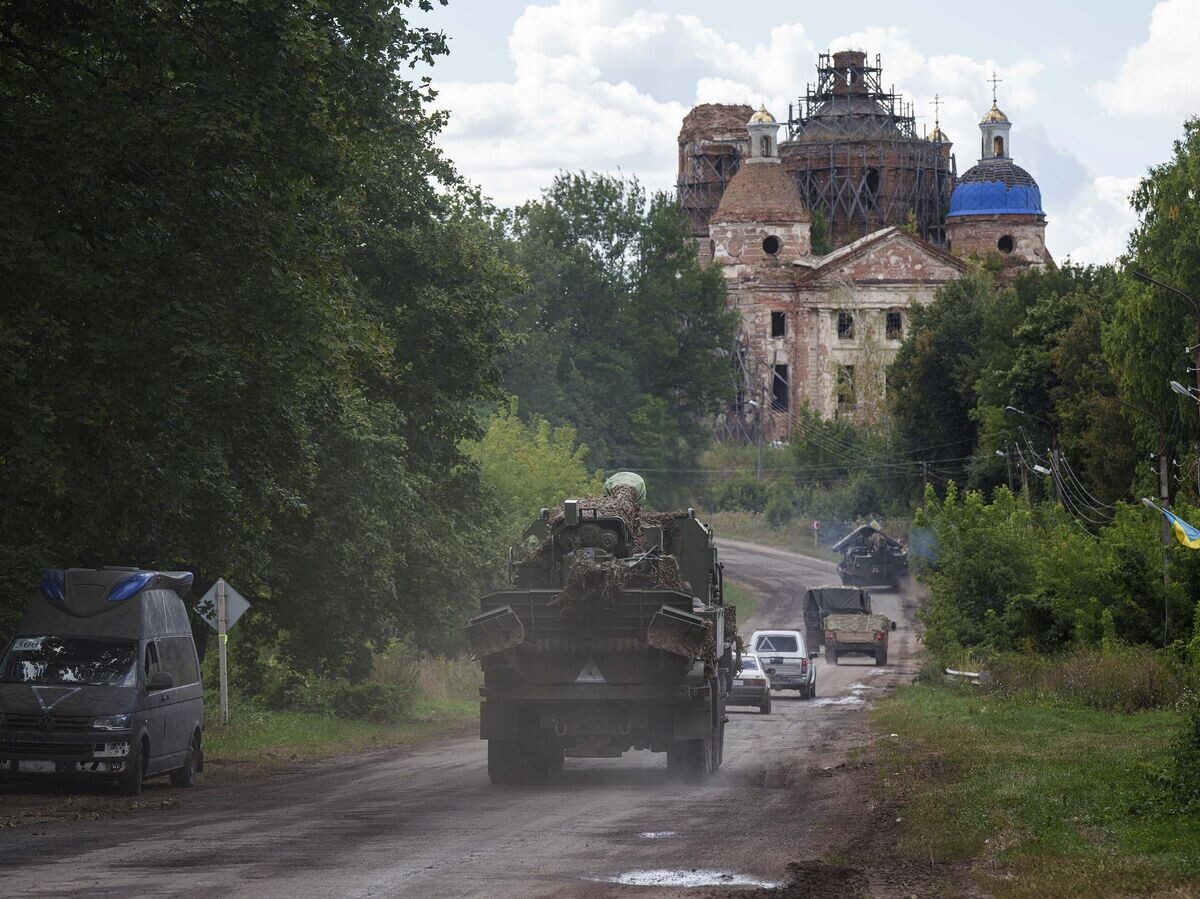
426,822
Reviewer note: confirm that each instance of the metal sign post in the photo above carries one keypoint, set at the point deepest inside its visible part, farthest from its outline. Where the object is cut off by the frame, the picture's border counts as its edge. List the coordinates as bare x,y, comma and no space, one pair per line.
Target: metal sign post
222,638
221,607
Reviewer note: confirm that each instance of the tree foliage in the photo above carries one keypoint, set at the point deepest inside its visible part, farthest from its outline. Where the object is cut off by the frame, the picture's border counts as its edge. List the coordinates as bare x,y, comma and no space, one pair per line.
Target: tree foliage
621,327
235,268
530,466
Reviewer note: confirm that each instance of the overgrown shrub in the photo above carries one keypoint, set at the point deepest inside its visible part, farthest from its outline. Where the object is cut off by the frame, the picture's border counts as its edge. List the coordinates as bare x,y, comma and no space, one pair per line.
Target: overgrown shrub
783,504
1127,679
741,493
1184,767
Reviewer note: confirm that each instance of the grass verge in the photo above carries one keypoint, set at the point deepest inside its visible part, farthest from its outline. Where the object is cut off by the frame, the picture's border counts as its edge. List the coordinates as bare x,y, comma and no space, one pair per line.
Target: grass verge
1044,800
752,527
743,598
264,738
441,698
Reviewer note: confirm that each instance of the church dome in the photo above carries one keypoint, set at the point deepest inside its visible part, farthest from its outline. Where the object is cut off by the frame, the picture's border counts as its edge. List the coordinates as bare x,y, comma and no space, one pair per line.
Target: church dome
762,116
993,115
761,193
996,186
938,136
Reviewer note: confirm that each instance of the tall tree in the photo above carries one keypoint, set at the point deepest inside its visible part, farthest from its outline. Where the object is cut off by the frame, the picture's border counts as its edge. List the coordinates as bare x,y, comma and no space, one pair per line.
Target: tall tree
621,326
235,272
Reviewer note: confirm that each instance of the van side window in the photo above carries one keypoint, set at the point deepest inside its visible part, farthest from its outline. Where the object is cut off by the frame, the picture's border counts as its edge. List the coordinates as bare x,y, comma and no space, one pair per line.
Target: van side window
151,664
179,660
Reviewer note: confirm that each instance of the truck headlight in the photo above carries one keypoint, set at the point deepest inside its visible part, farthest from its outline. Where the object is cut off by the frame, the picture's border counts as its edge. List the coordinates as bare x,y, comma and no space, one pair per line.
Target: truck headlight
111,722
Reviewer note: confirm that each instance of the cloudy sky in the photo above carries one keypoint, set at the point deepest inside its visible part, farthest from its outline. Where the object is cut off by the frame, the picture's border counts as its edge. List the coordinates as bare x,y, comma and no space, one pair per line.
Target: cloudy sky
1096,91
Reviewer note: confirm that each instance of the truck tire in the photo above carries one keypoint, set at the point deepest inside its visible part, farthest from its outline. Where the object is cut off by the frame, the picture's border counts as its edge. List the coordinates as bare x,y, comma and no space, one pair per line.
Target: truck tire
690,760
830,655
555,756
511,764
881,657
718,750
765,708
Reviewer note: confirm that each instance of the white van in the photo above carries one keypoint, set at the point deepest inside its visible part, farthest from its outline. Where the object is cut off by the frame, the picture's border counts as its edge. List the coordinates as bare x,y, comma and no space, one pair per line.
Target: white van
787,661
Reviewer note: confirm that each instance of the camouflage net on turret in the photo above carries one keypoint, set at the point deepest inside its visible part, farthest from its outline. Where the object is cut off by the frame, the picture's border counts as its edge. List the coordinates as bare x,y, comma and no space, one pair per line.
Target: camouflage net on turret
592,584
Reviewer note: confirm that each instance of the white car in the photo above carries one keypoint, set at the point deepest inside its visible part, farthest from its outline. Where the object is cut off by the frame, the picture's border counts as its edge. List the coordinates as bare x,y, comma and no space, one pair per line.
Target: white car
788,662
752,686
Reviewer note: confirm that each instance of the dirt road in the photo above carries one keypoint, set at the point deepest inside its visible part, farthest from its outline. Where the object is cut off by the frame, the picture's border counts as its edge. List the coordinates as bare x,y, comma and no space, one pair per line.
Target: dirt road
426,822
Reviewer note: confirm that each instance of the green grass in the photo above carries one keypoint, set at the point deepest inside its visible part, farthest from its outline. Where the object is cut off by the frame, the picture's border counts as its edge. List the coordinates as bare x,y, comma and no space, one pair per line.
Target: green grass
742,597
1046,800
262,737
444,697
752,527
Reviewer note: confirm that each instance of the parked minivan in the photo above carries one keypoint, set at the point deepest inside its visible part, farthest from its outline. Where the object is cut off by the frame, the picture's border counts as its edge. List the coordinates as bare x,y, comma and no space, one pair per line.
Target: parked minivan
788,662
102,680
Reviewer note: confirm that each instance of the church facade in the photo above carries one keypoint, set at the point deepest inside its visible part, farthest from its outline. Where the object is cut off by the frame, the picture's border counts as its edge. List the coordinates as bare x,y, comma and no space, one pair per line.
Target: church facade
820,327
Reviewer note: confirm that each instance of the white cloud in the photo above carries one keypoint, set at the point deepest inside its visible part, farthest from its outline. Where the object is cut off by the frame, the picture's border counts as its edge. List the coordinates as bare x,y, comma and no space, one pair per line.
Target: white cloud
603,85
1156,77
1095,225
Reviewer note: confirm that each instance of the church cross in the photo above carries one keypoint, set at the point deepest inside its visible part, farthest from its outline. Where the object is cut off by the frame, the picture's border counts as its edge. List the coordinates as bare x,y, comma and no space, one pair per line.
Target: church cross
994,80
936,104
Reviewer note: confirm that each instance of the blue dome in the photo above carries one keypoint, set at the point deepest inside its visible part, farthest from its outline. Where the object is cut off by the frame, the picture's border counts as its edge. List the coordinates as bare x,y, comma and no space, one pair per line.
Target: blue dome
996,186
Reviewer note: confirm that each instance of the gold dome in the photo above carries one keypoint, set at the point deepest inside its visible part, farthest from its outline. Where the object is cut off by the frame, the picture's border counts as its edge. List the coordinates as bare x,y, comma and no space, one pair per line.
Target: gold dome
938,136
762,116
994,115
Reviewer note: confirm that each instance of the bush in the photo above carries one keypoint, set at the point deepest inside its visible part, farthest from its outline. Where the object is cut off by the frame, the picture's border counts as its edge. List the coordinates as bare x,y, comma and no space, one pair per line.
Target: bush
783,504
371,701
741,493
1184,765
1124,680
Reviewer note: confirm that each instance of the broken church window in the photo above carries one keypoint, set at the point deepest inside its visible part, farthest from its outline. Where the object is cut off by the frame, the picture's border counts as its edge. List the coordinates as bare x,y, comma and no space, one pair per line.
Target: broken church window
780,392
778,324
845,325
895,325
847,397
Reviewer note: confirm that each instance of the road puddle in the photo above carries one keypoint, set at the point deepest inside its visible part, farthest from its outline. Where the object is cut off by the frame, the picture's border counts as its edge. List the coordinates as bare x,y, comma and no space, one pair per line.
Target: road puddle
686,877
655,834
855,698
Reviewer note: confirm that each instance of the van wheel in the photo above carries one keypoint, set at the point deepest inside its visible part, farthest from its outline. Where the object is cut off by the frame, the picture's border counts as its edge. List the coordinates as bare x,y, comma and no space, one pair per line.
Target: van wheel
135,769
812,689
186,776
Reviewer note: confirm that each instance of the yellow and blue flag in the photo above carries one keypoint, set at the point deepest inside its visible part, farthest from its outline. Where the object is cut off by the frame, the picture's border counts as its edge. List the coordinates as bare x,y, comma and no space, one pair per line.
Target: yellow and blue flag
1184,532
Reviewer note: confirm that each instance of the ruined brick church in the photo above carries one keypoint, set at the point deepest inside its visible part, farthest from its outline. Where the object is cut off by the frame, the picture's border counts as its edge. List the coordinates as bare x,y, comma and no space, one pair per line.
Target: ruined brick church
819,325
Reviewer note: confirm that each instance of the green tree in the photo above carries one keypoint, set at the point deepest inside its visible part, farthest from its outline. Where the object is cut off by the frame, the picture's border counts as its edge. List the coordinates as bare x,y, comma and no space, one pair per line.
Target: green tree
529,466
235,267
620,325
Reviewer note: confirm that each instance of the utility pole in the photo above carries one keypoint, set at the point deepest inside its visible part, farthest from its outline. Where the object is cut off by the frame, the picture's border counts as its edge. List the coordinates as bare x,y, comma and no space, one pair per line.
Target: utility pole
1008,465
1165,498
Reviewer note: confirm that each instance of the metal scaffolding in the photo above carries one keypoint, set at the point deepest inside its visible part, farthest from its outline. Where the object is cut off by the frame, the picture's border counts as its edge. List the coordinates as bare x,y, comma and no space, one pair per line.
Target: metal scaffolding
854,152
702,181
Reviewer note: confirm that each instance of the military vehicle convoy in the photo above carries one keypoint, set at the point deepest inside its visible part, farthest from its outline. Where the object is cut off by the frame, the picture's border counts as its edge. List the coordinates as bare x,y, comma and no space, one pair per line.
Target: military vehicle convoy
611,635
841,620
871,558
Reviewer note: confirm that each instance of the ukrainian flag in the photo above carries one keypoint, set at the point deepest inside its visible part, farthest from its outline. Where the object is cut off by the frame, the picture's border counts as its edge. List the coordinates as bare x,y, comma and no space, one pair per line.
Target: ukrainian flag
1184,532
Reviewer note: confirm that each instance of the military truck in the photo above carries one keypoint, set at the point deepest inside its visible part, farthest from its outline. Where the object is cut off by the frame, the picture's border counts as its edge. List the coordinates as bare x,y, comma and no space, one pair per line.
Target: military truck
841,620
611,635
871,558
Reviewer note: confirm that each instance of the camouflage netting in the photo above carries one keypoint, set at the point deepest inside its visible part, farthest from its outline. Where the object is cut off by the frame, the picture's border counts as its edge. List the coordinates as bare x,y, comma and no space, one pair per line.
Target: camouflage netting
597,584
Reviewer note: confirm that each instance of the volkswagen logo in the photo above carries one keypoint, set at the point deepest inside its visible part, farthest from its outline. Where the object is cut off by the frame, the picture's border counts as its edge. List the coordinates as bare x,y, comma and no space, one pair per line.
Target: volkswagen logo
46,722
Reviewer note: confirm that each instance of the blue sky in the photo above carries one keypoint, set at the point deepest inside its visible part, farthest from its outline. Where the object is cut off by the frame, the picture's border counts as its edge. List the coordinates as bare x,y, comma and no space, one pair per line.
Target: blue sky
1097,91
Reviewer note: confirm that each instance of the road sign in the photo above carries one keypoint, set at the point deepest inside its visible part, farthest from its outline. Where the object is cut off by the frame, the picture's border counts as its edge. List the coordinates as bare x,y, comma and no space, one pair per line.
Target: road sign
235,605
221,607
816,525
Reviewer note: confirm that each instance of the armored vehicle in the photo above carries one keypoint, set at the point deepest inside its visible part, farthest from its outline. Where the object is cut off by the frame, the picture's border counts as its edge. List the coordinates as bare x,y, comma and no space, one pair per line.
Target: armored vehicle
611,635
102,680
841,620
871,558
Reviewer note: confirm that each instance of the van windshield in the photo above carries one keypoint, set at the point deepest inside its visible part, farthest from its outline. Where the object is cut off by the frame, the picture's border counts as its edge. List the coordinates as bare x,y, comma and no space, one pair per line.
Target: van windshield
70,660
